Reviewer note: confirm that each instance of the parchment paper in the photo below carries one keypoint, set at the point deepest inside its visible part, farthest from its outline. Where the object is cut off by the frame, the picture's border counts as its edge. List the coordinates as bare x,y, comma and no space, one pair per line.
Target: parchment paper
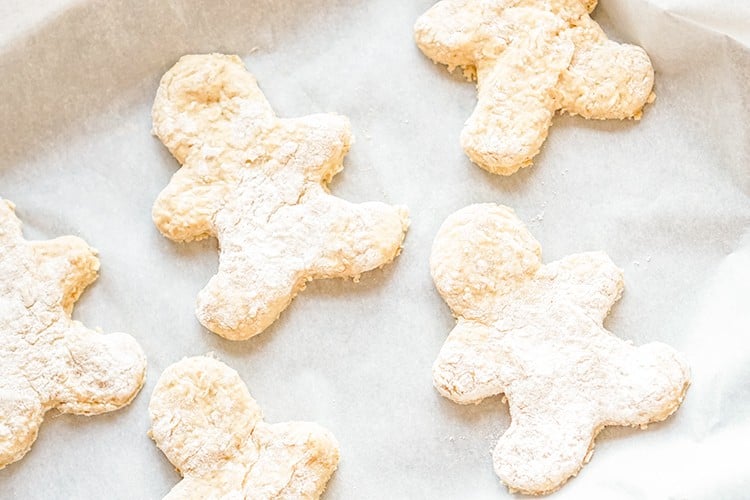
666,198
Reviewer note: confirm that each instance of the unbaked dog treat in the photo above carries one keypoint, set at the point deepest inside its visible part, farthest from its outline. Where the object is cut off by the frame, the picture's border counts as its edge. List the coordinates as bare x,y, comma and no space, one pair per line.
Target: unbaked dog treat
534,332
212,430
532,58
258,183
49,360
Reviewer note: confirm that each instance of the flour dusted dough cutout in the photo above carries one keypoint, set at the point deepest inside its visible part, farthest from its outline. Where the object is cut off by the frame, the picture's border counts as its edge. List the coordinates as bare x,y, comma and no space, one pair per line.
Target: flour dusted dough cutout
532,58
49,360
258,183
534,332
212,430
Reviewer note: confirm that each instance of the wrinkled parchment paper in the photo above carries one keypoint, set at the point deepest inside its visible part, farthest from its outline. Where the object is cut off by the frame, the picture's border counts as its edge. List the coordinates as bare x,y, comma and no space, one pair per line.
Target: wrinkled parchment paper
666,198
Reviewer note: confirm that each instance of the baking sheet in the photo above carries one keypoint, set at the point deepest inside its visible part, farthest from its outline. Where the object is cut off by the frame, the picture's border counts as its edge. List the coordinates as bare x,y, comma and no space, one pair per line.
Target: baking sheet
666,198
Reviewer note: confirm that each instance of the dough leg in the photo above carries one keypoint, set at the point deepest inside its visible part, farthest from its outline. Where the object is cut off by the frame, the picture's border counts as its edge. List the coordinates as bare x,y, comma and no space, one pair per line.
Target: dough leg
605,79
296,461
193,489
648,383
516,101
101,372
541,450
242,300
21,414
353,238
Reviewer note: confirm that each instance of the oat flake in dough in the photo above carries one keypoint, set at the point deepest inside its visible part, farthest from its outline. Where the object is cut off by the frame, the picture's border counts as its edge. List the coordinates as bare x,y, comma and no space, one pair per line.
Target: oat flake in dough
212,430
49,360
532,58
535,332
258,183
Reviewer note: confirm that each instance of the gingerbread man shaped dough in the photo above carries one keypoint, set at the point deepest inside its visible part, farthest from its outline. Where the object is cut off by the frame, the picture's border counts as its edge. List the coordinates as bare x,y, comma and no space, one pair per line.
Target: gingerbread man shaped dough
532,58
49,360
212,430
534,332
258,183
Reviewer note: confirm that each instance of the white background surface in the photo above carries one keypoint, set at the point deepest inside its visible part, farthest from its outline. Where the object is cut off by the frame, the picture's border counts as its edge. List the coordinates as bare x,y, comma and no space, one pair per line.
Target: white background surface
666,198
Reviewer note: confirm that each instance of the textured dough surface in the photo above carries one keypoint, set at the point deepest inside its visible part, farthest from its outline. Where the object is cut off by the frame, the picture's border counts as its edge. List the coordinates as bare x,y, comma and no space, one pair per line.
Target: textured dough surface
49,360
259,184
532,58
535,333
212,430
